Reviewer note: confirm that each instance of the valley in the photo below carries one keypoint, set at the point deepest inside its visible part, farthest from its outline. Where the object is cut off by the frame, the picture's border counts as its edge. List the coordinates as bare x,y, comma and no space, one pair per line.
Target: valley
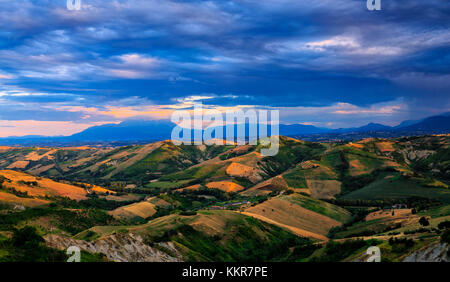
313,201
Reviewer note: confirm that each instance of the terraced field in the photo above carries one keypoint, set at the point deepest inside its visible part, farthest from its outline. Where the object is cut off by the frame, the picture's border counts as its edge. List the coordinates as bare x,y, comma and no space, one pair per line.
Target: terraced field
141,209
309,217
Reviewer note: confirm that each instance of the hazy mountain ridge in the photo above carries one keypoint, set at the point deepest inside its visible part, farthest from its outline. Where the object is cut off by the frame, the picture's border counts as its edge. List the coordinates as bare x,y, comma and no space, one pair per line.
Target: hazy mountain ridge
136,131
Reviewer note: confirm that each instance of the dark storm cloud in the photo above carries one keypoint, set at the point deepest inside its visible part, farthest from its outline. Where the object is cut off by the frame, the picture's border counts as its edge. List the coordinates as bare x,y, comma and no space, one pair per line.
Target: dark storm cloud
280,53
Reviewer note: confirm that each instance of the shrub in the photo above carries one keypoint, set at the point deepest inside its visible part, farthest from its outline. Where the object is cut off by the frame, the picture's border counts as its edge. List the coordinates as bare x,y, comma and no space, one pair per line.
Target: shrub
400,245
445,236
423,221
335,251
188,213
444,225
27,245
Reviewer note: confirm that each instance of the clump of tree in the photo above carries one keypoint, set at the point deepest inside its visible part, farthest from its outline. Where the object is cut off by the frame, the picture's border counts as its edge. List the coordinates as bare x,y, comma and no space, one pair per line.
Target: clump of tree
444,225
415,202
93,201
400,245
445,236
419,230
28,183
336,251
26,245
188,213
20,194
303,251
424,221
358,215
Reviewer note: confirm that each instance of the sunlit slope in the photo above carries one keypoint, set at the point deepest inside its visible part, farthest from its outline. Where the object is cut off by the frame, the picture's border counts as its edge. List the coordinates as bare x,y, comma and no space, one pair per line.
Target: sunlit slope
302,215
50,161
413,164
138,164
27,190
39,187
140,210
324,171
405,167
214,236
244,165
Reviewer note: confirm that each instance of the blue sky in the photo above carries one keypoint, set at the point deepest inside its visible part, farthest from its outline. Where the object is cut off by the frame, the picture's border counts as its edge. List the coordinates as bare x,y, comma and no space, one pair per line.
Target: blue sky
328,63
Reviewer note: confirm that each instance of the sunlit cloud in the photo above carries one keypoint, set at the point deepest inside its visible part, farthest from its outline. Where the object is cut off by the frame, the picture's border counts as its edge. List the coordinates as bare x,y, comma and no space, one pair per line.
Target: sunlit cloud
347,115
43,128
6,76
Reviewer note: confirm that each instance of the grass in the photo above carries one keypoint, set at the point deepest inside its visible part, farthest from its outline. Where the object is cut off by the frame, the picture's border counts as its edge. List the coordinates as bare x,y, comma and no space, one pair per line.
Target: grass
321,207
365,228
142,209
288,212
199,173
332,159
90,257
295,179
167,184
241,239
213,236
398,188
362,162
71,221
290,153
159,160
337,251
320,170
389,253
437,212
169,159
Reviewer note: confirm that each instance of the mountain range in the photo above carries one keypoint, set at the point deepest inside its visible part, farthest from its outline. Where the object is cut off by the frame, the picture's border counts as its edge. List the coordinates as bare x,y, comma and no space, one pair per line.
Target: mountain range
130,131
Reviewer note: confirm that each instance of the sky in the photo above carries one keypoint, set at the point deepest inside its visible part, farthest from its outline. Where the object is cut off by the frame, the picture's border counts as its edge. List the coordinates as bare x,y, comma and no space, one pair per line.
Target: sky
329,63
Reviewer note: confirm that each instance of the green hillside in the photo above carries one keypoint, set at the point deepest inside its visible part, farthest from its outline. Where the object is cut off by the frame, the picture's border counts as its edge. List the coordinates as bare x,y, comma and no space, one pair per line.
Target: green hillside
311,202
396,186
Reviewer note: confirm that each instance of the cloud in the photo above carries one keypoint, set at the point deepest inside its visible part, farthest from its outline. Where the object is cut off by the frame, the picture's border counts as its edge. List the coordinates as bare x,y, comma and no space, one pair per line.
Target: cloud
348,115
6,76
44,128
351,45
348,109
335,42
120,113
130,58
133,66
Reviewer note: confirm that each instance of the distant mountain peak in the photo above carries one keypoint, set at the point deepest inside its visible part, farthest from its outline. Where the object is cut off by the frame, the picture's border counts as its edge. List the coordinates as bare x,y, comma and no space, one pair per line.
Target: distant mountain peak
141,130
373,125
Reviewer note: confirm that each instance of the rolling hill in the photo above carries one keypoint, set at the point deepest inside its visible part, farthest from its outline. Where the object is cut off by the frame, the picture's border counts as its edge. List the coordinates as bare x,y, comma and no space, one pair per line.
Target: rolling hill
230,203
213,236
302,215
139,162
21,189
